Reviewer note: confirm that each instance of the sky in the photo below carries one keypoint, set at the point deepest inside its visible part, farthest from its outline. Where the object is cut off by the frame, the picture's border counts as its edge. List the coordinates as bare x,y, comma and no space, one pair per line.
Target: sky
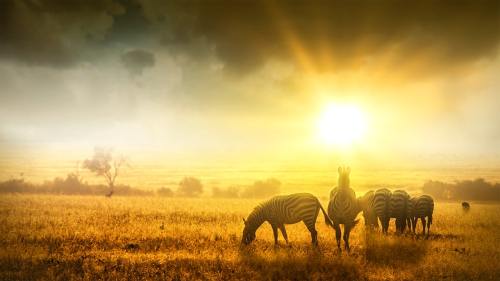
207,81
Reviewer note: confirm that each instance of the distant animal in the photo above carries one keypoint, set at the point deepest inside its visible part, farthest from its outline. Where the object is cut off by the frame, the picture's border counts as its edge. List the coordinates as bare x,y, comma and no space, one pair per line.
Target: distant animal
381,202
109,194
343,207
398,205
285,209
465,206
366,204
423,209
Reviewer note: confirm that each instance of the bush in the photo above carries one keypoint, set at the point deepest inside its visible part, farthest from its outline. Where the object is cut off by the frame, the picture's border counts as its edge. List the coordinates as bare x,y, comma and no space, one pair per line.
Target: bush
477,189
71,185
230,192
262,189
190,187
165,192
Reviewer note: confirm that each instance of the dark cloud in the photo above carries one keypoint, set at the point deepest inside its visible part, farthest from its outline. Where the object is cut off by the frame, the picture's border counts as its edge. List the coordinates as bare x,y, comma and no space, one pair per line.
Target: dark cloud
244,35
53,33
329,35
137,60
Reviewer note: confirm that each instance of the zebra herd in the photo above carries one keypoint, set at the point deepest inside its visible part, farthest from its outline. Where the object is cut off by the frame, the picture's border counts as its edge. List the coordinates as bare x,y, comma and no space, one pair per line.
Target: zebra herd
343,208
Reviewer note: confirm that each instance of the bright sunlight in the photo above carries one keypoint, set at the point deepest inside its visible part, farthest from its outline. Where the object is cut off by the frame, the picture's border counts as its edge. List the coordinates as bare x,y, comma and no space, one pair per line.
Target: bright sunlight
341,124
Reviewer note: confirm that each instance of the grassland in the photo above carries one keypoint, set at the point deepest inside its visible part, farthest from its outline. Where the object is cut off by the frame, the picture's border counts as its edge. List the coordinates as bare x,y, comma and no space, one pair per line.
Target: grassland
138,238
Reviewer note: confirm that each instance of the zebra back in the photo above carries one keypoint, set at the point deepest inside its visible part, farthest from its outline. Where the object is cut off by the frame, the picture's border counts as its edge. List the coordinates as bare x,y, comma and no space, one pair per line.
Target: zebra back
381,200
398,204
424,206
411,207
366,205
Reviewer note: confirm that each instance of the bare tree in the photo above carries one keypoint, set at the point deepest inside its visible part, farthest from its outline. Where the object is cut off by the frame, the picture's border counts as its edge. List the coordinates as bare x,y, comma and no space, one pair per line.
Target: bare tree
103,164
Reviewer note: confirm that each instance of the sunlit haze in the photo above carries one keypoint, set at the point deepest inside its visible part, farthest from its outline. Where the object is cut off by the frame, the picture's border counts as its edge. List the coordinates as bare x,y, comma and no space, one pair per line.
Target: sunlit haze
184,85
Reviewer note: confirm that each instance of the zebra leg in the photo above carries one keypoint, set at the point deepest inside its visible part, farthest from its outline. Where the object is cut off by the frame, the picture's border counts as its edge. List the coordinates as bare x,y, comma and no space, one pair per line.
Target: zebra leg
283,232
338,234
423,225
275,233
429,221
314,234
385,226
347,231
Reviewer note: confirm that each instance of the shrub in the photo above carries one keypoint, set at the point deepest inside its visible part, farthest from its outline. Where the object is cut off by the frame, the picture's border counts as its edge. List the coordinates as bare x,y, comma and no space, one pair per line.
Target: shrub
190,187
262,189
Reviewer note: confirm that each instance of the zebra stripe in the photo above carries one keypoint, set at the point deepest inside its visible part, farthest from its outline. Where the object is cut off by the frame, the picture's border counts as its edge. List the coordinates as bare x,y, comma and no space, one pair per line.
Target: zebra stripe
381,200
285,209
343,207
366,204
398,208
423,208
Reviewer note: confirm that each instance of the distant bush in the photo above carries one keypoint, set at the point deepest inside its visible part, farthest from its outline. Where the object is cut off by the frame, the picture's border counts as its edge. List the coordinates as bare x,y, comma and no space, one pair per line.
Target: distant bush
16,185
261,189
71,185
165,192
477,189
230,192
190,187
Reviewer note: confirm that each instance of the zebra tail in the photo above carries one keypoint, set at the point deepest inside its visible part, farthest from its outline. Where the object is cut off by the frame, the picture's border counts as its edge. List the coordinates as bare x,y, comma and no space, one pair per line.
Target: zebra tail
328,221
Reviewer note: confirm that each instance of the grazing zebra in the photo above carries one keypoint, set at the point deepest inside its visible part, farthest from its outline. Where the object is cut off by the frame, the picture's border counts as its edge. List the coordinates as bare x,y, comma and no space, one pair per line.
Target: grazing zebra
285,209
381,200
343,207
366,204
423,208
398,208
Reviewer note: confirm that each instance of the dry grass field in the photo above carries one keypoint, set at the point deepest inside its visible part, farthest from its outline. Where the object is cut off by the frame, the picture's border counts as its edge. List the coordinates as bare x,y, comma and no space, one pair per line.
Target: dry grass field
139,238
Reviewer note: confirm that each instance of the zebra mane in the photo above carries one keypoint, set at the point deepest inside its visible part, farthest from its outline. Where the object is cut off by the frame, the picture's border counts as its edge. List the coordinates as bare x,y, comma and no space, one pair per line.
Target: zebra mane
253,220
344,181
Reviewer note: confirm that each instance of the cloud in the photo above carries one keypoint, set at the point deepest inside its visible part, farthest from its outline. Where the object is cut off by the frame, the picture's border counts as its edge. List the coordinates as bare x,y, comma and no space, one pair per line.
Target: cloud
137,60
331,35
316,36
54,33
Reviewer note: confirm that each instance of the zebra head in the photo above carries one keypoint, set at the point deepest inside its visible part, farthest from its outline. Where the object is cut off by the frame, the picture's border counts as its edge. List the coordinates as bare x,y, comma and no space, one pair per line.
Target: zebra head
248,233
344,181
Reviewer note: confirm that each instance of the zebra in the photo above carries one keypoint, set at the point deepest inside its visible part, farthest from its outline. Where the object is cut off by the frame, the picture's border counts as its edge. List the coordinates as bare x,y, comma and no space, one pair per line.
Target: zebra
381,200
366,204
343,207
398,208
285,209
423,208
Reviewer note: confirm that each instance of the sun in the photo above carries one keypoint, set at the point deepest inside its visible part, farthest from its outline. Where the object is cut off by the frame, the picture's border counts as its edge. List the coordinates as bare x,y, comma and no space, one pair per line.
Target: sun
341,124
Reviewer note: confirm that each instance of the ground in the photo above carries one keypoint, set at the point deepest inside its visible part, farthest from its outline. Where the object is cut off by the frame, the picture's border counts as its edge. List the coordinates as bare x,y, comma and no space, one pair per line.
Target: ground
136,238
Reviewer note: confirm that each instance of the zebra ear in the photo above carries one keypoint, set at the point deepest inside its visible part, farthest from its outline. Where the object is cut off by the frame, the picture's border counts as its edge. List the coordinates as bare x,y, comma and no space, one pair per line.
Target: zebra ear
340,170
244,221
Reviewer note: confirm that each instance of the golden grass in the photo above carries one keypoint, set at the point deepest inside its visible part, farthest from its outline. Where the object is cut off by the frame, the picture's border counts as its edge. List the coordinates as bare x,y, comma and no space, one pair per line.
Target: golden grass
93,238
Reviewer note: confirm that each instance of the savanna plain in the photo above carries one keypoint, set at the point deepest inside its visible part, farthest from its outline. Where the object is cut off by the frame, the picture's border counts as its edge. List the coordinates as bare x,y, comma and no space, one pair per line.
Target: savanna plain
57,237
